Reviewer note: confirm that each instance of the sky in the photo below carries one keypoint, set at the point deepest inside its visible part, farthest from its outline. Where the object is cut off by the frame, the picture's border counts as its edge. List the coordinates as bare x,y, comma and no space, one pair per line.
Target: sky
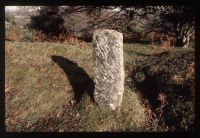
11,8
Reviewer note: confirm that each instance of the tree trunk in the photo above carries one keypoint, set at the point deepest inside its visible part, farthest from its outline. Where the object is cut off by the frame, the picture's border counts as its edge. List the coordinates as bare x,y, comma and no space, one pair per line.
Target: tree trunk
183,36
187,42
183,41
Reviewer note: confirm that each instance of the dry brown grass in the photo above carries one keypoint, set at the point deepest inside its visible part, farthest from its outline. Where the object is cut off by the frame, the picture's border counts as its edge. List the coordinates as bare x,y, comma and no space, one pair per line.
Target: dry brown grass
62,38
12,36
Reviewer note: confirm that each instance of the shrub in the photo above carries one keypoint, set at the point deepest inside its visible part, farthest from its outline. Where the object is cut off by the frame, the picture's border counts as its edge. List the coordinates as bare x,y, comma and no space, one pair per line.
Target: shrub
49,20
10,19
14,33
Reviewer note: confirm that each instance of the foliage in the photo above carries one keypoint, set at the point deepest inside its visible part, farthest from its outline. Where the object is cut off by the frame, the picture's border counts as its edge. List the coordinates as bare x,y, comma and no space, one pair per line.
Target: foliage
177,21
49,21
15,33
10,19
173,21
24,34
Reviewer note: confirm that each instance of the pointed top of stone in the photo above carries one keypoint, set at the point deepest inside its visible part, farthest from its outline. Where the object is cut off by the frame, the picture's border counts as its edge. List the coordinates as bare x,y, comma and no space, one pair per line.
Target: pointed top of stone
107,35
104,31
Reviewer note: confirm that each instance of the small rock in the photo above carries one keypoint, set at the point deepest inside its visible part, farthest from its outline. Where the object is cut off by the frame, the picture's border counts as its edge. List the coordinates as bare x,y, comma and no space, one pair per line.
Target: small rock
61,130
77,115
69,88
58,115
72,102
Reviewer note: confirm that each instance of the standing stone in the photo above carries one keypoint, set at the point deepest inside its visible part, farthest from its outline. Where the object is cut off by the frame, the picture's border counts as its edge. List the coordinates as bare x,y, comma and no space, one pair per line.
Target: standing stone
109,68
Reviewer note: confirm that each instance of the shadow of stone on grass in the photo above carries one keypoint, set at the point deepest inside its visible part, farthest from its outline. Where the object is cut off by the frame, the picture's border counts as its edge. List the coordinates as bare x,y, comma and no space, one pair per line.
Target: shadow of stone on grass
79,79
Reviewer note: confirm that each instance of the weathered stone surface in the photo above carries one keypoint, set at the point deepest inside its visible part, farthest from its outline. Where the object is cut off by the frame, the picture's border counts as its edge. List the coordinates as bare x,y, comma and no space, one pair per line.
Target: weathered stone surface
109,68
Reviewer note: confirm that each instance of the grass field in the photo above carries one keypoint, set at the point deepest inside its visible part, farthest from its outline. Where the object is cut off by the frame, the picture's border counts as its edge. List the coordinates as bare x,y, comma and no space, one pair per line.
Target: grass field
49,88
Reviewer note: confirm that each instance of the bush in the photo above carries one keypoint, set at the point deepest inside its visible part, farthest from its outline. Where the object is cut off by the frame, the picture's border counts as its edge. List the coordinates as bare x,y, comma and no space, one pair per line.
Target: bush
10,19
86,36
14,33
48,21
171,74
